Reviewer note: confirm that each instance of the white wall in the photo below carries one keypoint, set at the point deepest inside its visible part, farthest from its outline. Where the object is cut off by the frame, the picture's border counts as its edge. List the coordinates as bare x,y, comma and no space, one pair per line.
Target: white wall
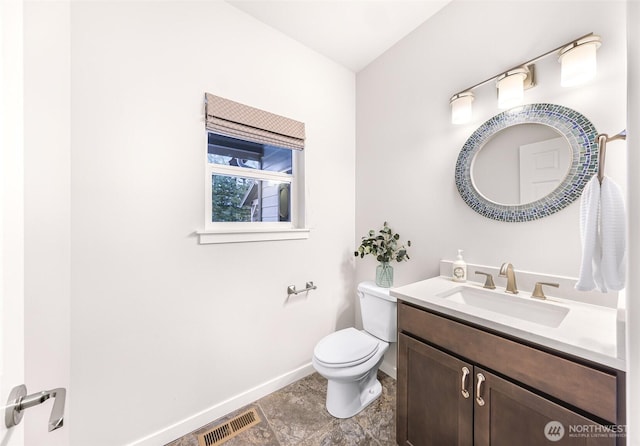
403,124
407,148
166,334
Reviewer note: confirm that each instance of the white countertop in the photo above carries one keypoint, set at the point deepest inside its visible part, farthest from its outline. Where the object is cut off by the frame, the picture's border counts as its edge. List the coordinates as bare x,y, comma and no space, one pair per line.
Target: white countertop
587,331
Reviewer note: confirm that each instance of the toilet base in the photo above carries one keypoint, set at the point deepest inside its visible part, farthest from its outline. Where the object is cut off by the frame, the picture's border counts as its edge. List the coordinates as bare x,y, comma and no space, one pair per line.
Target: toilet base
346,399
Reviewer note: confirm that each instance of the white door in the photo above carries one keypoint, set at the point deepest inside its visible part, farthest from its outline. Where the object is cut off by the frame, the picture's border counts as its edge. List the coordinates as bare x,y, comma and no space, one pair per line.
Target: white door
11,212
543,166
38,359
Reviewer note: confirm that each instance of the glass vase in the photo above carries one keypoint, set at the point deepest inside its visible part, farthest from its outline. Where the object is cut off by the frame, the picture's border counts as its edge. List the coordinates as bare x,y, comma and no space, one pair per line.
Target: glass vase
384,275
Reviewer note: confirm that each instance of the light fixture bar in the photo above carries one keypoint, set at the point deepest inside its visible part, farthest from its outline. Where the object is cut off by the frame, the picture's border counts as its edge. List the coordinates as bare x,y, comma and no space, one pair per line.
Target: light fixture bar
524,64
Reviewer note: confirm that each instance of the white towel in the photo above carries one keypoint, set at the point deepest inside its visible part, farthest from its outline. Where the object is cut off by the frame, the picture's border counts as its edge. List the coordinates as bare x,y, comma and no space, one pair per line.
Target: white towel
613,229
589,213
603,236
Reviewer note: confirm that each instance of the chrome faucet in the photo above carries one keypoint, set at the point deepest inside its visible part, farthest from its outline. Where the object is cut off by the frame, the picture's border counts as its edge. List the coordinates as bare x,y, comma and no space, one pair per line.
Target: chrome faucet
506,270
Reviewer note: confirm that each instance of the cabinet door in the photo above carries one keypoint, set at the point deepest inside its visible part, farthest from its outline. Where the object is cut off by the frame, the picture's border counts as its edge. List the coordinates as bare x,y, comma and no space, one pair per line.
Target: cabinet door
435,403
506,414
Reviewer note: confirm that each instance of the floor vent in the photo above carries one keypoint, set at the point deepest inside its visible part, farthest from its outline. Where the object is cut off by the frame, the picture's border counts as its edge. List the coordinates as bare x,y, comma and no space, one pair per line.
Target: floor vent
228,430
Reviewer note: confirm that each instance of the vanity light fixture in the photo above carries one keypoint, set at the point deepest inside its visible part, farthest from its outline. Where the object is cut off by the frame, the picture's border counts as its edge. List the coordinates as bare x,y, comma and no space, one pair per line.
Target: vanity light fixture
511,87
578,61
461,107
578,67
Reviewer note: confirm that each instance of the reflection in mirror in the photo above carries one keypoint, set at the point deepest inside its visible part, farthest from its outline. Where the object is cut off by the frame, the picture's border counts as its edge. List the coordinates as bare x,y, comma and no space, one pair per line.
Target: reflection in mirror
521,164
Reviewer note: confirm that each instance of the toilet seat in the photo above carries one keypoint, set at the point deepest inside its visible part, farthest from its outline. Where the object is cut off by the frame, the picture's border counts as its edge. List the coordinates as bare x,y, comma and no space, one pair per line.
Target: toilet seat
345,348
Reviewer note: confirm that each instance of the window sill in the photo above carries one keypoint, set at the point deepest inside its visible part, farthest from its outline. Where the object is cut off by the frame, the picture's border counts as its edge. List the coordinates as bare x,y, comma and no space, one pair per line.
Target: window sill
253,235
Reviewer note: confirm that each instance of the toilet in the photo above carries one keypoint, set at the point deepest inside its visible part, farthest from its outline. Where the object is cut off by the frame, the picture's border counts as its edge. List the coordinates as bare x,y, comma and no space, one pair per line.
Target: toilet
349,358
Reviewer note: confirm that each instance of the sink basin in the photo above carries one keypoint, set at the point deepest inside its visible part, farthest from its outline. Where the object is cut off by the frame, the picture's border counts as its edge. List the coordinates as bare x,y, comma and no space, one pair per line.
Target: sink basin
538,312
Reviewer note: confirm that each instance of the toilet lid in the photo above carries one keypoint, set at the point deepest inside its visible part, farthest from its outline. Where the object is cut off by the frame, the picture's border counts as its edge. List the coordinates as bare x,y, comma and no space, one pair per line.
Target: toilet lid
346,347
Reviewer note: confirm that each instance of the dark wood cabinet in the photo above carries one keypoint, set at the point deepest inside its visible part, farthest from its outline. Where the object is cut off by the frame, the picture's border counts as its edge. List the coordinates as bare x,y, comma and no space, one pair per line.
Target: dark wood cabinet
513,415
437,413
455,388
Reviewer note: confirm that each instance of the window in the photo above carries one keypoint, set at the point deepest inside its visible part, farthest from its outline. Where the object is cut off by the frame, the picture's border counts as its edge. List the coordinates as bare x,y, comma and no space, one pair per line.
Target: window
254,179
248,182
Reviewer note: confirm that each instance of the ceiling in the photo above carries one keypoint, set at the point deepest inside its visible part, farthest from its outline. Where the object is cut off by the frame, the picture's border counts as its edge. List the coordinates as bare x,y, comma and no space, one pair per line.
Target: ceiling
351,32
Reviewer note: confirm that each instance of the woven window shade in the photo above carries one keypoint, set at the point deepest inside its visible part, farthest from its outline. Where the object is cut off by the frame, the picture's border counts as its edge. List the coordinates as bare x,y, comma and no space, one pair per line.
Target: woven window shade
240,121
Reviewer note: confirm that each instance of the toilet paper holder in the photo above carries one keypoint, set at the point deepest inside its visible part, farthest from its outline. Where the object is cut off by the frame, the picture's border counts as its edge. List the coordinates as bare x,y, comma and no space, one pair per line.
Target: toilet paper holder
291,289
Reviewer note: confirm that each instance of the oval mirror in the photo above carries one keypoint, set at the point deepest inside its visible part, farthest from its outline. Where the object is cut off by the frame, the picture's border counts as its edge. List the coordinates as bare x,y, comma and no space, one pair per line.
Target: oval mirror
527,162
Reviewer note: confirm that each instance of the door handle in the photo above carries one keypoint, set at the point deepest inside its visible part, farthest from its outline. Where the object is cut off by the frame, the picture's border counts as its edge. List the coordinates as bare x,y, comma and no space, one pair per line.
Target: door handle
19,401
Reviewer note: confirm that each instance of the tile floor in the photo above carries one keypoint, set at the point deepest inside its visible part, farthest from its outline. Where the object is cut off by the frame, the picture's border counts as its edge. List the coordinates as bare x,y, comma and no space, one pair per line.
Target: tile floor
296,416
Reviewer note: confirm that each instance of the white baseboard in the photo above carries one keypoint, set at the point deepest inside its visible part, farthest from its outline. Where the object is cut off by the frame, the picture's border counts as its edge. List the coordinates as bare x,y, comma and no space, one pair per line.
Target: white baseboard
206,416
389,369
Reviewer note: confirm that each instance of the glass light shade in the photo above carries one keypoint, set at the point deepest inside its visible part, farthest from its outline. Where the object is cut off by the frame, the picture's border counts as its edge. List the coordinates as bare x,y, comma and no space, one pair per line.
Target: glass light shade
578,64
511,88
461,109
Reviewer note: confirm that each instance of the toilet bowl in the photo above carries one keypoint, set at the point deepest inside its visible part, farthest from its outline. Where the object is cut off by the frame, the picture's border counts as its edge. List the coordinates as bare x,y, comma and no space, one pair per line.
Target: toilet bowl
349,358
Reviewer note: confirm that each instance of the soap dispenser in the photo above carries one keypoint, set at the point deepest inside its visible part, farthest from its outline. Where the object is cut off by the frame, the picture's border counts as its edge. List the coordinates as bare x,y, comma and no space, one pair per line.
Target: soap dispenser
459,271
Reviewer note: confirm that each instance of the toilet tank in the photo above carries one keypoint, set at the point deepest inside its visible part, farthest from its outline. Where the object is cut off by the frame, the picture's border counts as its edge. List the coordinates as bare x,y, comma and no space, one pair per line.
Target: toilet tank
379,312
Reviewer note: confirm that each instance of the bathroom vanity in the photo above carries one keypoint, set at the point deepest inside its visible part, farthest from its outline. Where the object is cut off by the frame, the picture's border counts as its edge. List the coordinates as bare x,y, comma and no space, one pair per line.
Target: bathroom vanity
478,367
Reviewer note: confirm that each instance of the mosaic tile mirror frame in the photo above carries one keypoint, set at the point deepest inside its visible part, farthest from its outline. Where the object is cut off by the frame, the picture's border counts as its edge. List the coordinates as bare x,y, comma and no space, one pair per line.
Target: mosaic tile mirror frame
575,127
